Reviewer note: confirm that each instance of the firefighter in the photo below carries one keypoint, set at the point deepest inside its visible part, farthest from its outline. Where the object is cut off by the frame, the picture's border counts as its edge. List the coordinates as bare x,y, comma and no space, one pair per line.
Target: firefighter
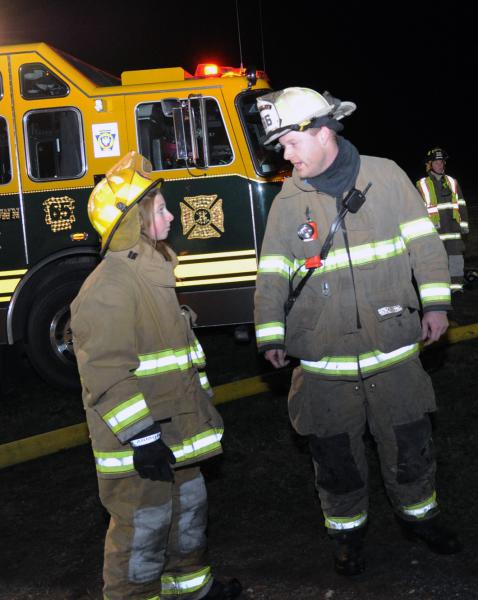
352,318
447,209
149,414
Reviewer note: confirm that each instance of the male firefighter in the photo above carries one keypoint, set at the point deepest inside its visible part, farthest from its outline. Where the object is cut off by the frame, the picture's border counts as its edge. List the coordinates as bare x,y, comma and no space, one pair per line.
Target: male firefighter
334,289
447,210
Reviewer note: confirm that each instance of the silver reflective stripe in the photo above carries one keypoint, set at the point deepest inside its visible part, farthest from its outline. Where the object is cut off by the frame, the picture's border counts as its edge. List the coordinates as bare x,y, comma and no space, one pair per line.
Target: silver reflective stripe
420,509
446,205
417,228
185,584
340,523
114,462
127,413
450,236
270,331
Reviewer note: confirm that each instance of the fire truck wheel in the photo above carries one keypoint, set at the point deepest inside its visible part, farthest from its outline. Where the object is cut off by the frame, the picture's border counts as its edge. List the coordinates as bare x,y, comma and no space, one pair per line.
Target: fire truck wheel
49,340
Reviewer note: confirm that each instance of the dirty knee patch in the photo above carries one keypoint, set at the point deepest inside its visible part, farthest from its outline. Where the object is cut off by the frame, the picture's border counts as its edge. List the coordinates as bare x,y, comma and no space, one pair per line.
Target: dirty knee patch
193,519
148,547
415,449
337,471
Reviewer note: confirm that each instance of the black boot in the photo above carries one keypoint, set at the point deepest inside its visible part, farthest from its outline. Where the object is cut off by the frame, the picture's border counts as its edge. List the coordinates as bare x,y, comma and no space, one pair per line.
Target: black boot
223,591
348,559
436,536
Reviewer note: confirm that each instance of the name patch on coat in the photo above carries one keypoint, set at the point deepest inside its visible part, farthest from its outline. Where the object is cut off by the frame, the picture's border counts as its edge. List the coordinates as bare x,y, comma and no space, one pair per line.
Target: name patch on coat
389,310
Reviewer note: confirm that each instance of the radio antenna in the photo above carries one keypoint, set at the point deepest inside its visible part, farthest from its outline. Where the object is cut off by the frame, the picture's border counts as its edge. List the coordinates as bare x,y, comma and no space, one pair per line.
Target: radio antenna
262,38
239,32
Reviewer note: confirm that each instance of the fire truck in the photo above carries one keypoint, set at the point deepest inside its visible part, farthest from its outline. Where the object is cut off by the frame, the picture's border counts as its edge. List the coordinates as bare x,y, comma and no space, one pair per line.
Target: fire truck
63,124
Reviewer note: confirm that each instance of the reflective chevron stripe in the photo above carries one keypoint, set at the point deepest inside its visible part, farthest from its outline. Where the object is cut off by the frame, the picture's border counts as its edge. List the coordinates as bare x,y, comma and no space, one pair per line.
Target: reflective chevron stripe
348,366
341,523
194,447
270,332
420,509
126,413
185,584
416,229
435,293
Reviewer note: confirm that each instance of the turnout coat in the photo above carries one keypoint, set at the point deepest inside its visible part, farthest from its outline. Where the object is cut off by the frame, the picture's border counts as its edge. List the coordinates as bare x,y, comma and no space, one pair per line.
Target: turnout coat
359,312
140,362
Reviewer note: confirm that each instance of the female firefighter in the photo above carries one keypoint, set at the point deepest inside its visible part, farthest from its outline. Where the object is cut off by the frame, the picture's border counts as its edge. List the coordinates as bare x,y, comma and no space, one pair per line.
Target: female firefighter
148,411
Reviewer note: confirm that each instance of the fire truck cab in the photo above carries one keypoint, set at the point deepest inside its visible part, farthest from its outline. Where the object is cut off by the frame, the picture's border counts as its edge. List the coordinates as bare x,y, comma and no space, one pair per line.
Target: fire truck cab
63,124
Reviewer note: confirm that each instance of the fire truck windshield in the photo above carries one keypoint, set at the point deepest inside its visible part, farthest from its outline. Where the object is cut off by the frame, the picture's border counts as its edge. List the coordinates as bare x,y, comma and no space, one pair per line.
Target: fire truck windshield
266,162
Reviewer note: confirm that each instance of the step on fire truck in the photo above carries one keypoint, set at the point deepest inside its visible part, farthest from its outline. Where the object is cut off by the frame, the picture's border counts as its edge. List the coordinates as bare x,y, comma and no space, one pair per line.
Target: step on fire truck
63,124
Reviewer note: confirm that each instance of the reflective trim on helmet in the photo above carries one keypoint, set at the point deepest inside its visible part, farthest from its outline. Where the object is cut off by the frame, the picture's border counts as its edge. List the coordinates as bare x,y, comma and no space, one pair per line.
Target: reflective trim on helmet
185,584
369,362
435,293
127,413
420,509
341,523
270,332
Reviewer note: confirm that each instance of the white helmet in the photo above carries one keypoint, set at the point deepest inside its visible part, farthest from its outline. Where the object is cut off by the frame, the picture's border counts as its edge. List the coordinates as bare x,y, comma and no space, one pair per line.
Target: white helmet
295,108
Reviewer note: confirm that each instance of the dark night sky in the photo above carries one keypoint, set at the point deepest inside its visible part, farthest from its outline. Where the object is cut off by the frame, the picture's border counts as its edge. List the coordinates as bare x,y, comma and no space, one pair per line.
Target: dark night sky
410,70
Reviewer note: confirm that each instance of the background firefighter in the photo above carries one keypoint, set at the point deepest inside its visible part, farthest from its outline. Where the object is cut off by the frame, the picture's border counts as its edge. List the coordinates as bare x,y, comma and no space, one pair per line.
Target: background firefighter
355,325
447,210
148,411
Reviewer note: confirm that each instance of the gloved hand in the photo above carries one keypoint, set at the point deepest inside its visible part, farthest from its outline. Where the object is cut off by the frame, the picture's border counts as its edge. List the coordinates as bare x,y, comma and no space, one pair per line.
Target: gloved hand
151,457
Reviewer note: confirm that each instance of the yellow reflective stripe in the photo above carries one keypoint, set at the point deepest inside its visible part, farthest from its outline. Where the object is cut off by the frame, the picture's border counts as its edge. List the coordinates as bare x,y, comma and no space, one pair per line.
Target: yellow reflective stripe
416,229
204,381
185,584
198,445
270,331
368,361
435,292
155,363
340,523
7,286
238,279
114,462
275,263
127,413
12,273
5,298
224,267
420,509
210,255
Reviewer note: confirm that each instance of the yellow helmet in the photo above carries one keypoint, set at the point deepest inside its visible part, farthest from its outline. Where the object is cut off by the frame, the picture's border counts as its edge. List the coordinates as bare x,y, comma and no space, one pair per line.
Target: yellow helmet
112,207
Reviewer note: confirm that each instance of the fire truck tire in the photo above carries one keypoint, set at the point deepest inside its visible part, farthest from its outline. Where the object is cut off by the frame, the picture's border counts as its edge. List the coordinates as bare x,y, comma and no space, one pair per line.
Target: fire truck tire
49,340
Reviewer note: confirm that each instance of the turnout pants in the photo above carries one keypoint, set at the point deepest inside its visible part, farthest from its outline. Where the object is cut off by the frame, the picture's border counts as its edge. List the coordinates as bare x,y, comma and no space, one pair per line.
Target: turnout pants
155,546
456,266
334,415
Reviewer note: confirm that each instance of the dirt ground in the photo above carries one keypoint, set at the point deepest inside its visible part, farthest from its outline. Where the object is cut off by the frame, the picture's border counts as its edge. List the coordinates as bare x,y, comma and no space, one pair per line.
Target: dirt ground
266,526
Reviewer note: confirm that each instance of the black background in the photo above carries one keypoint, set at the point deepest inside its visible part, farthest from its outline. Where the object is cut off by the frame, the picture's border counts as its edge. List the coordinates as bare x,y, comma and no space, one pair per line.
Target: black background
410,67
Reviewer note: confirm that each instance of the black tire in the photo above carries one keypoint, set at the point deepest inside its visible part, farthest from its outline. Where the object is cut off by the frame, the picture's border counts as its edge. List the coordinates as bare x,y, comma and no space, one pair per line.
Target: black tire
49,340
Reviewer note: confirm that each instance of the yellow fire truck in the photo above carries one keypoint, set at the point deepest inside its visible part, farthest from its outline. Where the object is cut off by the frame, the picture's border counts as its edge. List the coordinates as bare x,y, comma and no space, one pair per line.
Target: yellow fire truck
63,124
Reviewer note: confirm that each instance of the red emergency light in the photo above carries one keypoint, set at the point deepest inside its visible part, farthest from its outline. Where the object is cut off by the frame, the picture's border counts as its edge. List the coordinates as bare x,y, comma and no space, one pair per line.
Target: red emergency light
213,70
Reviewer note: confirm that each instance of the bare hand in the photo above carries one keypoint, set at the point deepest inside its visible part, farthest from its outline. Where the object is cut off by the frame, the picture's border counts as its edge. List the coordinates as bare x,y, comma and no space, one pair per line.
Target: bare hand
434,325
277,357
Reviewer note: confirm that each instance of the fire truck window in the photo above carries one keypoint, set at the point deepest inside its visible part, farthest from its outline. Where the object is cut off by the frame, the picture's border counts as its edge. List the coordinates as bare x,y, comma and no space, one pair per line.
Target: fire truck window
157,138
5,167
37,81
54,143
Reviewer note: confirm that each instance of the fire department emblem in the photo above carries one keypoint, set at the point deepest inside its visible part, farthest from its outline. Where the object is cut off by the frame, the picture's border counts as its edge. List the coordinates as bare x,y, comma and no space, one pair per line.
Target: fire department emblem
202,217
59,213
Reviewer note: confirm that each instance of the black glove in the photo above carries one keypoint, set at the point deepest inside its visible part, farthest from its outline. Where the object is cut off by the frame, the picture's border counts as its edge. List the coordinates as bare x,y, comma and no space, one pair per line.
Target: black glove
151,457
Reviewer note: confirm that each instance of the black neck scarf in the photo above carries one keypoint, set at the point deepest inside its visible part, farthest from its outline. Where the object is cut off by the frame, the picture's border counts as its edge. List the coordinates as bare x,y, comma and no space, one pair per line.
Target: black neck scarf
340,177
